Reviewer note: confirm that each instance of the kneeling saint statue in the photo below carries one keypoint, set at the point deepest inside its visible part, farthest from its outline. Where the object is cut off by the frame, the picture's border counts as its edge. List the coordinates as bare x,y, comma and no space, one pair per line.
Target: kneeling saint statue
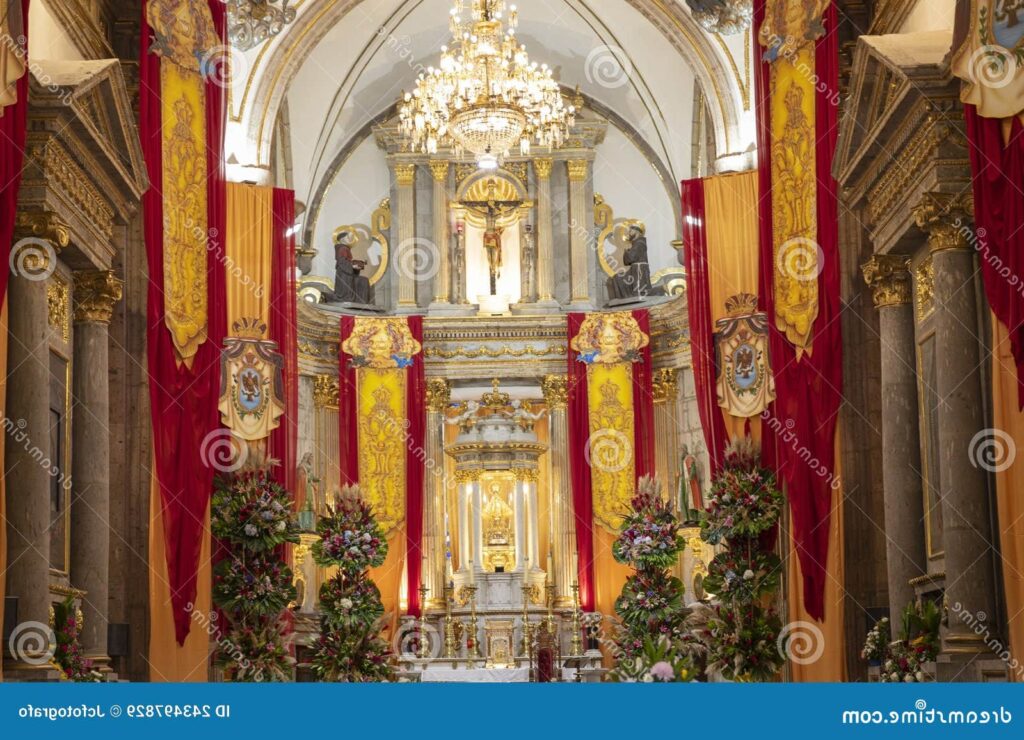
350,286
633,283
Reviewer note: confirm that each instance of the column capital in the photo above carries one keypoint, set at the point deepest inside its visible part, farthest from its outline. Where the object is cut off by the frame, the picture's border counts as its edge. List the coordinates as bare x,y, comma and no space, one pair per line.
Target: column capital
947,218
888,276
578,169
405,174
665,385
39,236
326,392
543,168
556,391
439,395
96,292
439,170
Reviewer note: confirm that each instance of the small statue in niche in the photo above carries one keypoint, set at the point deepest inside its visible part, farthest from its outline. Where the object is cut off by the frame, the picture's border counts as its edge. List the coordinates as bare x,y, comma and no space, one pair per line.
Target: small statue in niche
529,258
632,283
350,286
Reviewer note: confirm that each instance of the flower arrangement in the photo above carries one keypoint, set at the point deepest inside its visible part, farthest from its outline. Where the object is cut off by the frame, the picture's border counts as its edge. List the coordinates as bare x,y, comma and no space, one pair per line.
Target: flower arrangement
742,640
349,648
876,645
650,607
650,532
745,499
350,536
902,660
739,631
660,659
67,650
251,515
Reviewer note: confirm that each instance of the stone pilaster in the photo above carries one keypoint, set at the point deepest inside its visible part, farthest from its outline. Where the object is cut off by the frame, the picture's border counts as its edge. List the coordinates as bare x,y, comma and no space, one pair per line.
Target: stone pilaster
439,394
889,279
563,521
545,239
665,387
26,417
579,233
442,281
96,292
967,537
405,236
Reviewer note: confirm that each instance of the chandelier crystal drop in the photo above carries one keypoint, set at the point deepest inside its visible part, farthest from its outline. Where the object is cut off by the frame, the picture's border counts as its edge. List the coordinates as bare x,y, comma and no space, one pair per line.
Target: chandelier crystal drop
485,96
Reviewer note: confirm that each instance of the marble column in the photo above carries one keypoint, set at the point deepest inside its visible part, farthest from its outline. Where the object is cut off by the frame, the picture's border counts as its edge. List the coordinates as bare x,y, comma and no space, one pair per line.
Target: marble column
462,498
460,285
475,512
439,395
545,239
889,278
563,520
96,292
26,421
665,387
579,234
405,236
967,538
442,281
522,548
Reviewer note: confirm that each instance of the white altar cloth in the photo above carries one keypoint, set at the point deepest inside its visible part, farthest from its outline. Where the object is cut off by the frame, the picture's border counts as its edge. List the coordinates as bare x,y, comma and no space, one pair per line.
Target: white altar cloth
447,674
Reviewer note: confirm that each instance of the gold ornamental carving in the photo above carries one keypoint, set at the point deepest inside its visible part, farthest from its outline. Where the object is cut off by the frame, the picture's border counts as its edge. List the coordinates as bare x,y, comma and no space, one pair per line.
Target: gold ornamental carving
326,392
439,395
924,288
665,385
440,171
556,391
382,343
609,338
57,299
184,31
578,170
467,476
889,279
610,448
45,225
527,475
790,26
494,352
96,292
947,218
61,170
543,168
405,174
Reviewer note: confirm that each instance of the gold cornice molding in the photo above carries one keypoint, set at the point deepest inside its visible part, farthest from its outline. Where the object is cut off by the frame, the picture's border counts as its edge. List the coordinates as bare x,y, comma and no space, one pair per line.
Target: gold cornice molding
439,395
543,168
326,392
947,218
405,174
96,292
439,170
665,385
556,391
60,170
888,276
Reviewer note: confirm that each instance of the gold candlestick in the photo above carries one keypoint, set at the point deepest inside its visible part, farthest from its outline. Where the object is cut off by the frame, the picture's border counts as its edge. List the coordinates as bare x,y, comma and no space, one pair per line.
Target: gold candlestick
549,588
527,590
424,642
474,645
449,626
576,646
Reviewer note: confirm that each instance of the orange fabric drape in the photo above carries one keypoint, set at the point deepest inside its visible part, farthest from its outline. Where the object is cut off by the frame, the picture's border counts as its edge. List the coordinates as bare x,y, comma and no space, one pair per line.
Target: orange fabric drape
169,662
249,249
3,490
830,666
388,578
609,576
1009,484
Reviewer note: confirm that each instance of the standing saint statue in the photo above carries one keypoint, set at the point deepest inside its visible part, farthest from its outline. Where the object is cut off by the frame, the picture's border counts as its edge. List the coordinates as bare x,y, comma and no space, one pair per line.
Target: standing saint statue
492,210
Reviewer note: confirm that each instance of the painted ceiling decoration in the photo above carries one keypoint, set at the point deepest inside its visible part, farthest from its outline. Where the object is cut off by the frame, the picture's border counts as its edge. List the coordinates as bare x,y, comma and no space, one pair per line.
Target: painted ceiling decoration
251,22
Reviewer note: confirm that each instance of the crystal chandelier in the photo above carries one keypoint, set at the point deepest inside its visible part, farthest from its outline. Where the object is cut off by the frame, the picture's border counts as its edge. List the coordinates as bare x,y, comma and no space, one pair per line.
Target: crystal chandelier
486,96
251,22
726,17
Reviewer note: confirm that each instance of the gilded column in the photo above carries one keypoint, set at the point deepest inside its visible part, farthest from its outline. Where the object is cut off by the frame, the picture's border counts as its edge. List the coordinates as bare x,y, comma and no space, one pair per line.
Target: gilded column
405,239
96,292
579,172
889,278
666,435
26,418
439,395
442,281
961,414
545,240
563,520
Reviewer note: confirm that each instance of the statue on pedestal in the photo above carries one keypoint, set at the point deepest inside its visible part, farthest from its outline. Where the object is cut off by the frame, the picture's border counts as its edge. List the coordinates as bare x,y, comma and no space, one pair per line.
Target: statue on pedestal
350,286
633,282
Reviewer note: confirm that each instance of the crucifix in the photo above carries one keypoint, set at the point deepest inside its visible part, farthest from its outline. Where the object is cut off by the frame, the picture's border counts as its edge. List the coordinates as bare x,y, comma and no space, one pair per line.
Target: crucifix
493,209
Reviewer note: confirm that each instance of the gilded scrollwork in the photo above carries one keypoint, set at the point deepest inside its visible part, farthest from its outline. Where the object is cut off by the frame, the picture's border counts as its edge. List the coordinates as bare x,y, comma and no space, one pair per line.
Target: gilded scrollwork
889,279
57,300
326,390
